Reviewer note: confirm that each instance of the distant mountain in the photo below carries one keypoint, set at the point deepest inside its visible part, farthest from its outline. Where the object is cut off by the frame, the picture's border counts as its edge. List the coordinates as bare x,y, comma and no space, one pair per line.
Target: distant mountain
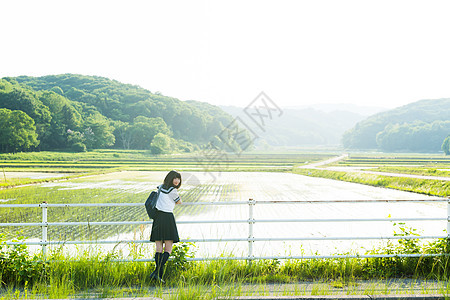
419,126
348,107
301,127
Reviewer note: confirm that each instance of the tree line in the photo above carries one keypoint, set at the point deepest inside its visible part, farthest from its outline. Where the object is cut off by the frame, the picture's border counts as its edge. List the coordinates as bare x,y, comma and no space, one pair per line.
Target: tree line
422,126
77,112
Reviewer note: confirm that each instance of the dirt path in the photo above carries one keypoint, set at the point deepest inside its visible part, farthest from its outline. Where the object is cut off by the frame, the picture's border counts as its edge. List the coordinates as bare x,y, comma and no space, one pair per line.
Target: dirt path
324,162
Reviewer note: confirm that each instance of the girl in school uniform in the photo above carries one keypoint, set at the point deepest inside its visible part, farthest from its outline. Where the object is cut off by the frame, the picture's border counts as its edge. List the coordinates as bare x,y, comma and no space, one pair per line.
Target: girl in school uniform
164,229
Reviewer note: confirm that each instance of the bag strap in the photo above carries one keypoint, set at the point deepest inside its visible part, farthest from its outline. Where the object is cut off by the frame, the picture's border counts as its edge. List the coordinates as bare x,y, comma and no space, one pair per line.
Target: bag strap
159,192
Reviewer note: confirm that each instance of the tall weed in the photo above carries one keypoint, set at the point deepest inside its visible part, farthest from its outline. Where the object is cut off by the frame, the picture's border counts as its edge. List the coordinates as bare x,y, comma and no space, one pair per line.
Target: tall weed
61,275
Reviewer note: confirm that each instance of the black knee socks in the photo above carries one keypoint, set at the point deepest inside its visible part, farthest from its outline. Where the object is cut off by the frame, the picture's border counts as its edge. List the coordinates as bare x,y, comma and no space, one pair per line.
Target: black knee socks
155,273
164,257
160,261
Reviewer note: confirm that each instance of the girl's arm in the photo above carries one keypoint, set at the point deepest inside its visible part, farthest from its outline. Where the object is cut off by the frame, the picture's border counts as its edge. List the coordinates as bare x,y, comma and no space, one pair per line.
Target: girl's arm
176,197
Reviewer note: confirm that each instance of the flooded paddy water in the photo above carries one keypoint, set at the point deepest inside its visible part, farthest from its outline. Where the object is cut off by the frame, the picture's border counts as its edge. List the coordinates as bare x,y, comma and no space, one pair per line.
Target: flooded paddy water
291,187
235,186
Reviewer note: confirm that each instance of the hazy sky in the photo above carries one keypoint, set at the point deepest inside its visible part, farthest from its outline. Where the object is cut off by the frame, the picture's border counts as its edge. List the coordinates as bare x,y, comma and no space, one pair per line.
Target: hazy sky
377,53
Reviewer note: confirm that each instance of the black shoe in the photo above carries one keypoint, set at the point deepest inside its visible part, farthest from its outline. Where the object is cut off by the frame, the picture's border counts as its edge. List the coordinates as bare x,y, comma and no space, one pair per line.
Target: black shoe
160,280
153,276
156,277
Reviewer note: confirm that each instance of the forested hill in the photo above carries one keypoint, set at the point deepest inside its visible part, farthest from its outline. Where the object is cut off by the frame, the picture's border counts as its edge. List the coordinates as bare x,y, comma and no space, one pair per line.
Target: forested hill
75,111
421,126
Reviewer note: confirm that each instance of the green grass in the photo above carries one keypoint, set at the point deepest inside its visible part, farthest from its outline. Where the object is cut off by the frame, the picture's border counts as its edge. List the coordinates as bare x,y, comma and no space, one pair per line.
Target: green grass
423,170
100,154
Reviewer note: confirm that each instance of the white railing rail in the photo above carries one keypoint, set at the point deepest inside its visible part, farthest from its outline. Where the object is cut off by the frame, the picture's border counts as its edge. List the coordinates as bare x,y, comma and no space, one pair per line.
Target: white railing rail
250,221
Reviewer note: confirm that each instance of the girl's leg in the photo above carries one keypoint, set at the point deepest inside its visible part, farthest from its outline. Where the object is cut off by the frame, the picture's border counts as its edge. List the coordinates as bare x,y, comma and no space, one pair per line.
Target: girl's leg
168,245
159,246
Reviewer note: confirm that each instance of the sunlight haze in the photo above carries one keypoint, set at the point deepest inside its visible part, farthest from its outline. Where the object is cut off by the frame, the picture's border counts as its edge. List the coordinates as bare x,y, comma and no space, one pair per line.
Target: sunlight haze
370,53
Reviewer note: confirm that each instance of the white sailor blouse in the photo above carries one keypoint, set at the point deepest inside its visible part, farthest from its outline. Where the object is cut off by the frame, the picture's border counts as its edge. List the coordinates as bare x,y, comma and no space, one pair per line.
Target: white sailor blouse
167,199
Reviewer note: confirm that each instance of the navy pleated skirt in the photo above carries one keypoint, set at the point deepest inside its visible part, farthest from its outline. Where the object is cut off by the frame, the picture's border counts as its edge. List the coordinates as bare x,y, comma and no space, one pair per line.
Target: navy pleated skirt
164,228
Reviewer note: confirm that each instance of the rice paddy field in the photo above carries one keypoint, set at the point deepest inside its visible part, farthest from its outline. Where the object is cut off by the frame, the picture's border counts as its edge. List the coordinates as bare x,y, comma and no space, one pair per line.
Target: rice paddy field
128,177
140,160
426,174
114,177
418,164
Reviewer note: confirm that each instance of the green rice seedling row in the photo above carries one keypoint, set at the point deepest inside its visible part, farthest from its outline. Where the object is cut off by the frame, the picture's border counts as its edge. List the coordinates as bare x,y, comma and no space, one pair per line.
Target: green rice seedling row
394,159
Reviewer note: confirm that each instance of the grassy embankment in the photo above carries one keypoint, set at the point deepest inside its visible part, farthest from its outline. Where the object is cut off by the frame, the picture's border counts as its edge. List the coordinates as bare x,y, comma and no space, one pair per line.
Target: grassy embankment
424,165
91,272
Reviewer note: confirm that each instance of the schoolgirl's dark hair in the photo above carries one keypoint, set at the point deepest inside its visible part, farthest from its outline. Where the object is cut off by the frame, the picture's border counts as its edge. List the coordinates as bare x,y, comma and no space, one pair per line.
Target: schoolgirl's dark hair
168,181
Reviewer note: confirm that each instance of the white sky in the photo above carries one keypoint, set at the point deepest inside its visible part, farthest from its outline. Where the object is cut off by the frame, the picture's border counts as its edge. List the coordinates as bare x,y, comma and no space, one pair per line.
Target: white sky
376,53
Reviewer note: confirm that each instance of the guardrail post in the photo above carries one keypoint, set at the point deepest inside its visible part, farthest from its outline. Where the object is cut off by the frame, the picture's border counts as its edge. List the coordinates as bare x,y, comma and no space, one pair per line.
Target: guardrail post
251,221
448,218
44,229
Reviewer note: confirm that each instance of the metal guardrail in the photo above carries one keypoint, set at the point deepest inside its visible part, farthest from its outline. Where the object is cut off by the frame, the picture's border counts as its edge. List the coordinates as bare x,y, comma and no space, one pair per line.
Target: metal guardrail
250,221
